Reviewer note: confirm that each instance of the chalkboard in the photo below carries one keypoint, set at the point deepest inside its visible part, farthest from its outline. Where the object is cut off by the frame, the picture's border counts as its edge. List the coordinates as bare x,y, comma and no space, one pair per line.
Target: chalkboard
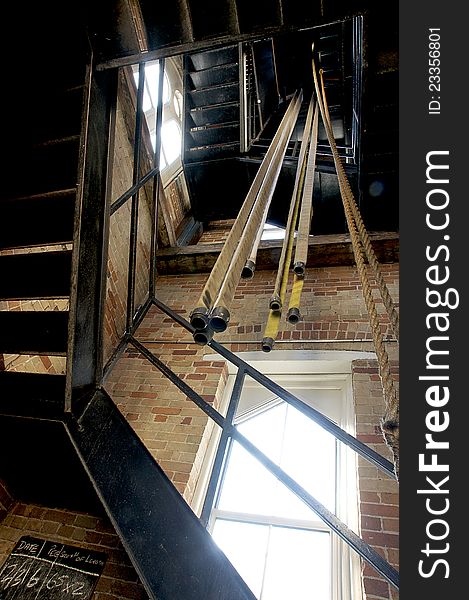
40,570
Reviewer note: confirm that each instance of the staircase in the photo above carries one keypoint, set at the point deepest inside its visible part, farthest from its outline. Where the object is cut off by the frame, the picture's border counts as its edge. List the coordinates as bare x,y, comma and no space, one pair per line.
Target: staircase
38,263
36,232
212,104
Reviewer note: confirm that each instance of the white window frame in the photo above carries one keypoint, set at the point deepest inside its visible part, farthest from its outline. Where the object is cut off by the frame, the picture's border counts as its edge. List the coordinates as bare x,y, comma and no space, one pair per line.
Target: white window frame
174,79
320,369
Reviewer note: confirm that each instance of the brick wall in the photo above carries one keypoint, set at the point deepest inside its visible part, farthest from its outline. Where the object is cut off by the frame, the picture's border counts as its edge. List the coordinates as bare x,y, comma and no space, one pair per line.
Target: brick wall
175,430
174,207
379,498
119,580
119,227
216,231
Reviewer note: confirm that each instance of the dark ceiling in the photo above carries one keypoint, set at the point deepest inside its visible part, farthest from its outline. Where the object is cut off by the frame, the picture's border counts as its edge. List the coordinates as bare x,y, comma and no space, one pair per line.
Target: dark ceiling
358,47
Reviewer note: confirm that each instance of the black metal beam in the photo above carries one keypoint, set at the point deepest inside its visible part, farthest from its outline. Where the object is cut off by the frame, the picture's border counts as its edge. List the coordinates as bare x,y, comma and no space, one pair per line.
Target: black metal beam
207,44
156,181
173,554
222,449
135,200
89,262
133,190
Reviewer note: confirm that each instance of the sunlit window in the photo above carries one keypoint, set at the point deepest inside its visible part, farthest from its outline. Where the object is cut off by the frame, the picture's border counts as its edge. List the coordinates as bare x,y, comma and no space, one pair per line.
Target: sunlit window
171,140
272,232
280,546
172,112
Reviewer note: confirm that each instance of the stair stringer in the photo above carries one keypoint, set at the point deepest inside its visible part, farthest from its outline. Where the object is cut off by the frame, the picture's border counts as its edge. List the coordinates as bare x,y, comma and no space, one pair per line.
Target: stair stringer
173,554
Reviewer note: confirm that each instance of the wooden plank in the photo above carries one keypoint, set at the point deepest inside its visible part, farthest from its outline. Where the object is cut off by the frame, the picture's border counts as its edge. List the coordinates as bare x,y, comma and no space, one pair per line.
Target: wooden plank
32,394
324,251
30,332
35,275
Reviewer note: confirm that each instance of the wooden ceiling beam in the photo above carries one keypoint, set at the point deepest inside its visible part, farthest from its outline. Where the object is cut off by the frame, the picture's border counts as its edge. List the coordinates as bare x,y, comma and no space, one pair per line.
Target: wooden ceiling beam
324,251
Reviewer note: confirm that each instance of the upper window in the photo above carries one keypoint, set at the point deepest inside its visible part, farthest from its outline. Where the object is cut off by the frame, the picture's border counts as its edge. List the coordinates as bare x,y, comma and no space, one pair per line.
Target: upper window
171,138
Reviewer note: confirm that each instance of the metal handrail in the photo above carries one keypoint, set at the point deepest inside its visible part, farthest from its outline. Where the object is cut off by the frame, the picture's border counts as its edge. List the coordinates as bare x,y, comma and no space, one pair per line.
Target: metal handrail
362,449
230,431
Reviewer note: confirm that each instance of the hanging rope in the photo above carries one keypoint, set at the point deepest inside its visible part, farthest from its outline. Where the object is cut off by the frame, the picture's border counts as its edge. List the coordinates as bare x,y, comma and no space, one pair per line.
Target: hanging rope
363,233
390,421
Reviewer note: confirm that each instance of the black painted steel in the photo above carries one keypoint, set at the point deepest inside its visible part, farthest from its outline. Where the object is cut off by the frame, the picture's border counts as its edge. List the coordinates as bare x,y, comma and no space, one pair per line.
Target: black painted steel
135,200
351,538
156,181
49,220
51,168
362,449
175,557
87,298
182,385
222,449
133,190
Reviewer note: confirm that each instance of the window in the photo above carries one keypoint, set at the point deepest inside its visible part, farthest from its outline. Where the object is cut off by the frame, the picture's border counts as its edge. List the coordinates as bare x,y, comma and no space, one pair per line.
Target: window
278,545
272,232
171,138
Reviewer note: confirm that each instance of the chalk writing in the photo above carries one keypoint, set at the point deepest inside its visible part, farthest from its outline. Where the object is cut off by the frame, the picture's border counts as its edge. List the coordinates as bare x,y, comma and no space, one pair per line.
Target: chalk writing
41,570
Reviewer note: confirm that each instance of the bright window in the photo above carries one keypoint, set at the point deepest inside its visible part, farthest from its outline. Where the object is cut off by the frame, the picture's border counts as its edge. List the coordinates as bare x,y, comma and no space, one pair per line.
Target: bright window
279,546
171,139
272,232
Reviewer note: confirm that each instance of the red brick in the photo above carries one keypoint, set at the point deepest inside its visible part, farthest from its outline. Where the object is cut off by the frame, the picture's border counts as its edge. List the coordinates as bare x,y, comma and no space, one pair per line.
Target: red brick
371,523
385,540
376,587
165,410
381,510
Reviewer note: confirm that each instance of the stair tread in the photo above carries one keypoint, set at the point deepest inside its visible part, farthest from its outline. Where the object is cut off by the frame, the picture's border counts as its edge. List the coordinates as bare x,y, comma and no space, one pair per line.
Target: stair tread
37,275
44,168
49,220
214,67
215,87
210,146
32,394
212,126
214,106
34,332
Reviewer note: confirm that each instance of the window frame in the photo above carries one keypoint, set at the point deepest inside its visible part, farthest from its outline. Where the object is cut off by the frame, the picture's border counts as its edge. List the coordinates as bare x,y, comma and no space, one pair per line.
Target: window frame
324,367
173,80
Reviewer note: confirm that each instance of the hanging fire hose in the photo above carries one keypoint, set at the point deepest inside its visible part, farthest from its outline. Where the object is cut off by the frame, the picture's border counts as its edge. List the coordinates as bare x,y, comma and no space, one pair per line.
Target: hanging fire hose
304,226
211,313
358,236
303,172
250,266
